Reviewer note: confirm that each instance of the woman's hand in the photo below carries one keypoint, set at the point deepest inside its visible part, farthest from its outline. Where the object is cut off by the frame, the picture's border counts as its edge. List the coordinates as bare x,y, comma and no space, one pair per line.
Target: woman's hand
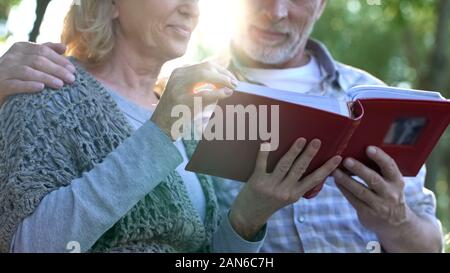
180,92
265,193
28,67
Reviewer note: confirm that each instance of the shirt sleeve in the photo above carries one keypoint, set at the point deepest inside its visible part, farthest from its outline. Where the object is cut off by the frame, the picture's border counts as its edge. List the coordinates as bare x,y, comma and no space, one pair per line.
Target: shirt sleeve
421,200
226,192
227,240
93,203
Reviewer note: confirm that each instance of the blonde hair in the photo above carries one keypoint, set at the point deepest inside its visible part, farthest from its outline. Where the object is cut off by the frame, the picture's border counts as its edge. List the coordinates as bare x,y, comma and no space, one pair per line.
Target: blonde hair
89,30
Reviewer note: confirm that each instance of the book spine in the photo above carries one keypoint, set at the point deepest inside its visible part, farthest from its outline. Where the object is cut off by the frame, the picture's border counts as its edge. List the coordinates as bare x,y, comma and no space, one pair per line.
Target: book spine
357,111
344,142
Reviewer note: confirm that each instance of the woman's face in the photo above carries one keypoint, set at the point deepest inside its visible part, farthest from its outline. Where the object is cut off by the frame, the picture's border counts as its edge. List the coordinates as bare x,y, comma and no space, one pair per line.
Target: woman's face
161,27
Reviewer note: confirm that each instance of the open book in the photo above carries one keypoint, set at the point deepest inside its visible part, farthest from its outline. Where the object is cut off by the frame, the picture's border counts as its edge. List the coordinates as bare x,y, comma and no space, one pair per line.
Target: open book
406,124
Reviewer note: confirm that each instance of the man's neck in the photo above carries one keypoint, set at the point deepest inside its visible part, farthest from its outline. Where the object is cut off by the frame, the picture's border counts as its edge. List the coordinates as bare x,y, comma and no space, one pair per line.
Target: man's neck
131,74
302,58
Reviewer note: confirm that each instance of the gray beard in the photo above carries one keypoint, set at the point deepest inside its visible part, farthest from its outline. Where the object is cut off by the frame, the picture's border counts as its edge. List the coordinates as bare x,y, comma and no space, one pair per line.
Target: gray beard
273,55
270,55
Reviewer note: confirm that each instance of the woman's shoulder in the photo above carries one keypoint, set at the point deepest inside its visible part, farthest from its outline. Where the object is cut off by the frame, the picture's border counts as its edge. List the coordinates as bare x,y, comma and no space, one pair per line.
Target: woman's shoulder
85,95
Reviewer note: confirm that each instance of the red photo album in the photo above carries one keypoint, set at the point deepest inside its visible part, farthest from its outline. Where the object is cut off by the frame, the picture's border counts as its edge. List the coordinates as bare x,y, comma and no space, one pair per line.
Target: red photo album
406,124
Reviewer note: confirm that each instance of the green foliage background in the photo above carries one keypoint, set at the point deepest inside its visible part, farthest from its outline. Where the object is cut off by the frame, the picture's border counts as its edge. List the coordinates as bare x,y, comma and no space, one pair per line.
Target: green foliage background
5,6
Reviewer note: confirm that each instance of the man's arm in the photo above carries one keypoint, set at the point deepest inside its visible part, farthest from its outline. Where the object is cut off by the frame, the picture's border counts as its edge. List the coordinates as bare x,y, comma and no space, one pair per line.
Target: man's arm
28,67
419,233
383,208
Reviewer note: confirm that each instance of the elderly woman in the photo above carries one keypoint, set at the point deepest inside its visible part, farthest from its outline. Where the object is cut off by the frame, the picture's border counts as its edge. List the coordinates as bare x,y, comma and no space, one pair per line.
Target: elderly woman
95,164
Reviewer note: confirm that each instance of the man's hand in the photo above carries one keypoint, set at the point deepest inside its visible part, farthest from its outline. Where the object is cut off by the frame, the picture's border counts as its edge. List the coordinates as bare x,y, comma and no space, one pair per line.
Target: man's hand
28,67
265,193
381,206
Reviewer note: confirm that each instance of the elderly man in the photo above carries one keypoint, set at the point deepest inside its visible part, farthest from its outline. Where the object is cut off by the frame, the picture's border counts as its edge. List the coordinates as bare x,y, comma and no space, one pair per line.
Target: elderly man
273,47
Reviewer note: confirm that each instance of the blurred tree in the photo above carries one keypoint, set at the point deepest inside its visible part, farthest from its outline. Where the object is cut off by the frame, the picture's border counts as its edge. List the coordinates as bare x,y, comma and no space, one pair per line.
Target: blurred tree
436,78
5,6
41,7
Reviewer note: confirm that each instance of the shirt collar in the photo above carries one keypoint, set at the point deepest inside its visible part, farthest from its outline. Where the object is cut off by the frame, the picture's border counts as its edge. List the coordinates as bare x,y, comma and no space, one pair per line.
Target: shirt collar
328,66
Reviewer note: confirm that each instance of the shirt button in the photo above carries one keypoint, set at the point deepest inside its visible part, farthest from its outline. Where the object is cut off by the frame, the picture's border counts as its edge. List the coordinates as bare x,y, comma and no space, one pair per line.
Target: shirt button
301,219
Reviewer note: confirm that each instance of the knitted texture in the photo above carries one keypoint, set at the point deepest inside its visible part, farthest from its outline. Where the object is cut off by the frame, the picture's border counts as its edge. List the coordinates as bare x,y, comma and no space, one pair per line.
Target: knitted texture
51,138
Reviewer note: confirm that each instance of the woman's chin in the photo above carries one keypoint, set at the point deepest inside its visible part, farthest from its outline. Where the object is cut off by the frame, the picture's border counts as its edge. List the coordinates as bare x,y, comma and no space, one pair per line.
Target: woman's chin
176,52
163,52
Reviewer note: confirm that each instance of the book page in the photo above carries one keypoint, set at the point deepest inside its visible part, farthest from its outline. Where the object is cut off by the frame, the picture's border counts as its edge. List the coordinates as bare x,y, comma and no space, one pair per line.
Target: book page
319,102
377,92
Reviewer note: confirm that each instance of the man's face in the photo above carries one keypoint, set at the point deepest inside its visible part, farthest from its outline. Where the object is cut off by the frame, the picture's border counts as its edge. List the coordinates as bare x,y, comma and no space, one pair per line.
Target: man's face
274,31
